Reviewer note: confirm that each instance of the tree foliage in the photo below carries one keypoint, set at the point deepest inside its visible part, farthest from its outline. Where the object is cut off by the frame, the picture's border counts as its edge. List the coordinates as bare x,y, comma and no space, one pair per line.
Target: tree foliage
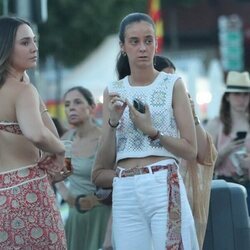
75,27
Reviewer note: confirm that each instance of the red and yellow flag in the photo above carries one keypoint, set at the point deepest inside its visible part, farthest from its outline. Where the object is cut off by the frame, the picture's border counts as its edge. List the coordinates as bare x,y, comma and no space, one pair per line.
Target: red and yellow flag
155,12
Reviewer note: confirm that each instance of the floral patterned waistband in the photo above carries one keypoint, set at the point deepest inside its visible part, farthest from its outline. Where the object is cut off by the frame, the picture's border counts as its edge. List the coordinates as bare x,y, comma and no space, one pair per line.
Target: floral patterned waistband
20,176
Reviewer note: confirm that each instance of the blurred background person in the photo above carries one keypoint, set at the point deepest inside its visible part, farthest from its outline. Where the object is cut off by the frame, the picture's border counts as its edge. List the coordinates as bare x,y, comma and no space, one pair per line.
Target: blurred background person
230,132
197,174
28,211
87,219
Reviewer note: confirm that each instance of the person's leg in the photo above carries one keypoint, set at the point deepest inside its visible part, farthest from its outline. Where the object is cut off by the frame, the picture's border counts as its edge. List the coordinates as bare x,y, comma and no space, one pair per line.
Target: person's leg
130,228
159,200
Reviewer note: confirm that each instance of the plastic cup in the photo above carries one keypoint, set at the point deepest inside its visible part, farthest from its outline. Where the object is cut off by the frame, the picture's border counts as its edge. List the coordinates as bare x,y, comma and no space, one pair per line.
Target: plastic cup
68,154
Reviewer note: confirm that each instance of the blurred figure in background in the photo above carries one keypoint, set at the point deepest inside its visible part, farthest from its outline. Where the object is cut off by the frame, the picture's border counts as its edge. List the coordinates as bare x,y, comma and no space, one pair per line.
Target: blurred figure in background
230,132
29,147
197,174
87,220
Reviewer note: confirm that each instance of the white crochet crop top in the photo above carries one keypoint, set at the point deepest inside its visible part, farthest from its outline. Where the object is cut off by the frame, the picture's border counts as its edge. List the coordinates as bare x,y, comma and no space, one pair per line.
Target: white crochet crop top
131,142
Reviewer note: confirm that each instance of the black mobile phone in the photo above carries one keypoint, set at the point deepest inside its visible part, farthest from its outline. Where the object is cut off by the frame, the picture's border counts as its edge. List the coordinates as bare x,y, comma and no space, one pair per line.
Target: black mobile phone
139,105
240,135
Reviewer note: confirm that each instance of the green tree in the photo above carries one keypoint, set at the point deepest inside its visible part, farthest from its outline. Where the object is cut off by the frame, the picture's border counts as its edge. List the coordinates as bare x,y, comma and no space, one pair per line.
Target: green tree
75,27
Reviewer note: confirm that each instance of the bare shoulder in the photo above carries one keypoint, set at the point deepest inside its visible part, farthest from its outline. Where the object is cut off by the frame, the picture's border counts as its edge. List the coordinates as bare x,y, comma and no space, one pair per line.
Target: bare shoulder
179,88
27,88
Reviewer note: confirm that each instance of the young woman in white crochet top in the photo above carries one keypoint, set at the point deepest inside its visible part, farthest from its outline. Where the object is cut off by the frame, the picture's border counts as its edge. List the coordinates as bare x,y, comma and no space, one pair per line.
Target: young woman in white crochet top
150,206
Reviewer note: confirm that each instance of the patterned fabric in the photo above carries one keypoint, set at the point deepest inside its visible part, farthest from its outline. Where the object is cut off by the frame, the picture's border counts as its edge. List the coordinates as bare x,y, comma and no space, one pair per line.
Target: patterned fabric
131,142
29,215
143,170
52,169
11,127
174,240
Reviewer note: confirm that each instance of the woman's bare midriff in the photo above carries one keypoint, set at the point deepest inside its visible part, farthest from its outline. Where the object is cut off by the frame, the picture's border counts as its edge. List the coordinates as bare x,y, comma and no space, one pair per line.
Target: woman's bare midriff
140,162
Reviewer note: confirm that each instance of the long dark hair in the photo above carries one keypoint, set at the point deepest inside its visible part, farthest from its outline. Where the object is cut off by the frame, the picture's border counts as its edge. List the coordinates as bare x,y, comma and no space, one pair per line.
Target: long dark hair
8,30
225,115
122,64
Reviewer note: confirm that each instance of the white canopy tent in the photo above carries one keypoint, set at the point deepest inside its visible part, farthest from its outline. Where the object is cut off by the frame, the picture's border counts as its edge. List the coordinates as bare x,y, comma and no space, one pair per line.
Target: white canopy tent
97,70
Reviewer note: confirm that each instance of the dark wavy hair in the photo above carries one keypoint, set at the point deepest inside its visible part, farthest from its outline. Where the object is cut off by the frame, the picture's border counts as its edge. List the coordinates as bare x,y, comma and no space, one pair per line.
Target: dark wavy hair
122,64
84,92
8,30
162,62
225,115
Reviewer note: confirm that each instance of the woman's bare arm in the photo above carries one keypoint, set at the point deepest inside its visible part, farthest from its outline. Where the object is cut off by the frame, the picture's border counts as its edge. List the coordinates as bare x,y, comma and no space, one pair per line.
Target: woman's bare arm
185,146
31,123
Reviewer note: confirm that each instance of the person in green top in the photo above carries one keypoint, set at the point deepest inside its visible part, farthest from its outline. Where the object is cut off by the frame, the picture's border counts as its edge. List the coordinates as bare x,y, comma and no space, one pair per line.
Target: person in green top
87,221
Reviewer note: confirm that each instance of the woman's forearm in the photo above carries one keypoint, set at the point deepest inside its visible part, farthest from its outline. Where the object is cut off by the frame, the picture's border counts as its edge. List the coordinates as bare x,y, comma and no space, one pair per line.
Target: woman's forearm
202,143
103,177
179,147
106,153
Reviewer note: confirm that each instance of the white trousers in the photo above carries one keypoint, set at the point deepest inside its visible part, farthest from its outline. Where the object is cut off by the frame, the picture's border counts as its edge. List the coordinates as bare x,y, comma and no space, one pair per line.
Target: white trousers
140,212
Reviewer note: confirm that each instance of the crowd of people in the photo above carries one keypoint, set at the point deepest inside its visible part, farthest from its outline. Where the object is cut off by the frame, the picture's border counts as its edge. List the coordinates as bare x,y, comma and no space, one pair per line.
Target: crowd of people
152,154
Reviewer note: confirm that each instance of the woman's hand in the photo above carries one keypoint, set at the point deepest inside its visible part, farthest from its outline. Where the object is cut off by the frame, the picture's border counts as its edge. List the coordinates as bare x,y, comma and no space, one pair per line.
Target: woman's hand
55,166
52,162
116,108
142,121
227,149
231,147
70,199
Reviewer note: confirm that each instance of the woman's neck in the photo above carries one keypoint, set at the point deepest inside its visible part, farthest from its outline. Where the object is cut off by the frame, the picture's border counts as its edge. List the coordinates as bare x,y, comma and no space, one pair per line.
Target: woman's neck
142,76
239,120
85,129
15,75
236,115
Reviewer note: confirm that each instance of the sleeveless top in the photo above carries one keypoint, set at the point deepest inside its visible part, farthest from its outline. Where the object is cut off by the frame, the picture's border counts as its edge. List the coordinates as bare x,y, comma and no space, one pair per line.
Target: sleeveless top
80,180
131,142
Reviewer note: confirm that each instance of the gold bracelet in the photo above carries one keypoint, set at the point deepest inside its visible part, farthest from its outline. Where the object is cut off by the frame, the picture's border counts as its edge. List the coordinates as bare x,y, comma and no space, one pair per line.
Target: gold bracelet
196,120
45,110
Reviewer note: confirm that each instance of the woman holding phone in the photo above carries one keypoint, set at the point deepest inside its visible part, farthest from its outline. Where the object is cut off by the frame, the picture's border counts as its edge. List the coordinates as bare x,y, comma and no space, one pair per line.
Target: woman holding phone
230,132
150,207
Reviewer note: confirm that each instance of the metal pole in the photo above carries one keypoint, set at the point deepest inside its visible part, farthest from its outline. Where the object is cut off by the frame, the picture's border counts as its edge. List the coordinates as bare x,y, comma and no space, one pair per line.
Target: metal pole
5,7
